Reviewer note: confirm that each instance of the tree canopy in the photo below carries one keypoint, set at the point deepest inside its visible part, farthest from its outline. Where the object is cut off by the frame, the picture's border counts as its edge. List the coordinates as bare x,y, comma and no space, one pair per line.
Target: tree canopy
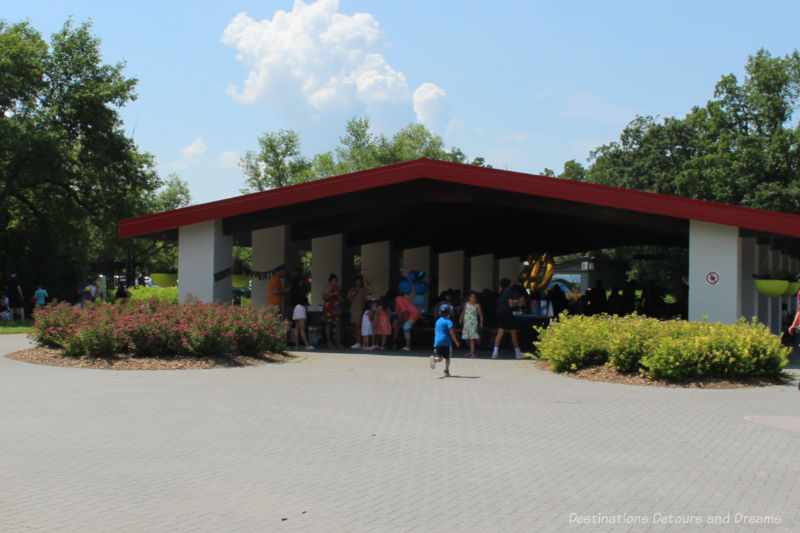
279,161
742,147
68,171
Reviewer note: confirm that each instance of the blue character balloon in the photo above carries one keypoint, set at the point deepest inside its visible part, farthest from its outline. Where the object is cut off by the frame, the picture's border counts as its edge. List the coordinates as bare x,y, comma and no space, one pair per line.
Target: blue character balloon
404,286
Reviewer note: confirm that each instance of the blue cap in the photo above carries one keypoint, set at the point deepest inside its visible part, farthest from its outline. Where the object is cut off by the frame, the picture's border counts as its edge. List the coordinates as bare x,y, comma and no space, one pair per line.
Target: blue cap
445,309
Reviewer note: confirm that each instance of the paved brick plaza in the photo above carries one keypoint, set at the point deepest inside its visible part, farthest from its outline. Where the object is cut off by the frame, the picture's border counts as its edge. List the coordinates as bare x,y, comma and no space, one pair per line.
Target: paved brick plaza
372,442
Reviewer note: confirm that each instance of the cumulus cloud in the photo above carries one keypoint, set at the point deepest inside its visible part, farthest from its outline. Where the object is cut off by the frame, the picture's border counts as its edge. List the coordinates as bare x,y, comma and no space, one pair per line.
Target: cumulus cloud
329,58
229,159
194,150
432,106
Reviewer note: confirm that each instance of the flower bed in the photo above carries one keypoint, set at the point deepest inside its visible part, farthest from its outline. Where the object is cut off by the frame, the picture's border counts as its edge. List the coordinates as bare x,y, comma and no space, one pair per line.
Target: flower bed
160,329
674,350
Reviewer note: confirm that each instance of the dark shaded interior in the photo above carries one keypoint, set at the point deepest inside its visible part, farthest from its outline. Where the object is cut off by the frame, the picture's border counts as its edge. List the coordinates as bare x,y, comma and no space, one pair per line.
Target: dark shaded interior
450,216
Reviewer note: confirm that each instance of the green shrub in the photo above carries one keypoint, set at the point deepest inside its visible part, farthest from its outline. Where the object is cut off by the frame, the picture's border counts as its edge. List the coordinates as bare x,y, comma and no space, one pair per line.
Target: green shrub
700,349
155,294
628,339
574,342
672,350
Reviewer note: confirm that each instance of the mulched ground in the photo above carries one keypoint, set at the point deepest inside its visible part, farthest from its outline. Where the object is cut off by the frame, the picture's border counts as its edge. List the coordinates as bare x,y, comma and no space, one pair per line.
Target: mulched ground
48,356
611,375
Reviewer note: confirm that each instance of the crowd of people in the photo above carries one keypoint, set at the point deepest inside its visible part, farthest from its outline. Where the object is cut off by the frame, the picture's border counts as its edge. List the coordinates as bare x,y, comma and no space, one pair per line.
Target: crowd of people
373,322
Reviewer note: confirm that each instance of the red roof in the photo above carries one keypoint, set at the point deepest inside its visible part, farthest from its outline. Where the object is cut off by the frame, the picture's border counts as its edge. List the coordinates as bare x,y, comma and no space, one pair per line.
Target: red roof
499,180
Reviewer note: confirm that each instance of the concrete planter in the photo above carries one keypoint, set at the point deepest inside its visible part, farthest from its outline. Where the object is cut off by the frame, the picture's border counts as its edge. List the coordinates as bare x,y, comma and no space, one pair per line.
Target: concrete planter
792,289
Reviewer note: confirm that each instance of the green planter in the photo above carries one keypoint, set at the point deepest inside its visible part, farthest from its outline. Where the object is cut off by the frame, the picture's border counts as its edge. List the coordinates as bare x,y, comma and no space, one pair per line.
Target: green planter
771,287
164,280
792,289
241,280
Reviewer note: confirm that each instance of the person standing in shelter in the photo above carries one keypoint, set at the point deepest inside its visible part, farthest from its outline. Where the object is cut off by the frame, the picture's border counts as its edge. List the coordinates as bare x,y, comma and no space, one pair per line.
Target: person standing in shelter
383,324
471,319
358,297
16,300
277,290
368,325
40,296
444,337
298,299
506,305
409,314
123,293
332,298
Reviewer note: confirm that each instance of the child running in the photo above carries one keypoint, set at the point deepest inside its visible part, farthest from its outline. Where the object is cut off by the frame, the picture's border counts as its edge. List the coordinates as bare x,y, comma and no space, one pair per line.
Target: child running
444,336
471,319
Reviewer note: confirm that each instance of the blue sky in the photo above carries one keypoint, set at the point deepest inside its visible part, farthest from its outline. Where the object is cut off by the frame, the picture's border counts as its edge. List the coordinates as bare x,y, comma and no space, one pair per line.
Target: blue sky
525,84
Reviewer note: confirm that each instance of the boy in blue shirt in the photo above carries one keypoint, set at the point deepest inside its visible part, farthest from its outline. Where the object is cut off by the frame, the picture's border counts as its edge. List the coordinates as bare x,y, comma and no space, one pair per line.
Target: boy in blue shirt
444,337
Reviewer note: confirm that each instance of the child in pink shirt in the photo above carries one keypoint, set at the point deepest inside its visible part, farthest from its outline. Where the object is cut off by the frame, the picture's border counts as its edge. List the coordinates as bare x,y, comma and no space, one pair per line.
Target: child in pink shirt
408,315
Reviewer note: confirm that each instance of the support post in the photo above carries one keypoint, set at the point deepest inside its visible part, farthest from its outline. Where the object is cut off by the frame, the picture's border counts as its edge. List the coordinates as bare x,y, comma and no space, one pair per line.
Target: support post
714,272
205,258
482,274
326,259
269,251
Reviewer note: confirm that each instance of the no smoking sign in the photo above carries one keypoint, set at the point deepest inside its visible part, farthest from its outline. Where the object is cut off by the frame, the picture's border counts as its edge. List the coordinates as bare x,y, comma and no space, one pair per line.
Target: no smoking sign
712,278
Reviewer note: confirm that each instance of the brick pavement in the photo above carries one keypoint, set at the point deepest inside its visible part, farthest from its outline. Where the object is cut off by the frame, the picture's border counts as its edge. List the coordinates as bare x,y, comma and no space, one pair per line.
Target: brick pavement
369,442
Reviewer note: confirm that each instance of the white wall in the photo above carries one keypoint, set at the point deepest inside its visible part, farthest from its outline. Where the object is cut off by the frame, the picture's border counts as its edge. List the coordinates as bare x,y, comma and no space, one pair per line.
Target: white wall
269,251
202,251
714,248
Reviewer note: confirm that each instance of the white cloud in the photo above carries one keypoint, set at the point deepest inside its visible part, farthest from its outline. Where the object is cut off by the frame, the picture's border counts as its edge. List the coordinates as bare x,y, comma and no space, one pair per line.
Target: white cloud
328,58
194,150
432,106
229,159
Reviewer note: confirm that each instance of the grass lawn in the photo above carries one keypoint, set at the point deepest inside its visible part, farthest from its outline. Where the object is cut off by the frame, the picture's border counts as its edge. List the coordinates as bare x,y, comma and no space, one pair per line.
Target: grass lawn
17,326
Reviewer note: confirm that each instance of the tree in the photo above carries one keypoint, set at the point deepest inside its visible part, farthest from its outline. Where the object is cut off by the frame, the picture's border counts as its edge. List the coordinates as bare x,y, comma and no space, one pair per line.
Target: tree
68,172
741,148
278,163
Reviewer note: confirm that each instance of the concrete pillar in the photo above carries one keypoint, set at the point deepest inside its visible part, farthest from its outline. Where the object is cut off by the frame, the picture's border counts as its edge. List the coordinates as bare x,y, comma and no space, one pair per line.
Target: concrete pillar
749,267
762,302
451,271
417,259
375,265
482,273
509,267
714,272
775,303
269,251
326,259
204,251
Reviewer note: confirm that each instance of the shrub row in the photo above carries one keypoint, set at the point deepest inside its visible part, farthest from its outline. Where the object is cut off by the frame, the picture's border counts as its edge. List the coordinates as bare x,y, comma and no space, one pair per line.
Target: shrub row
674,350
158,329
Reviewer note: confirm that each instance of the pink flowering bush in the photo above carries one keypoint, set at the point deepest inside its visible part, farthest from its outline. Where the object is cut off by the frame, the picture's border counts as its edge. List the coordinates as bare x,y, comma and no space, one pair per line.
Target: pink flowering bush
159,329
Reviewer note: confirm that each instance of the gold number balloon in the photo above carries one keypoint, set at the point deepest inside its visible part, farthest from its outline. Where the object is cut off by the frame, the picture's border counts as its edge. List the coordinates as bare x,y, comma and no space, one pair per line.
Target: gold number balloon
538,272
